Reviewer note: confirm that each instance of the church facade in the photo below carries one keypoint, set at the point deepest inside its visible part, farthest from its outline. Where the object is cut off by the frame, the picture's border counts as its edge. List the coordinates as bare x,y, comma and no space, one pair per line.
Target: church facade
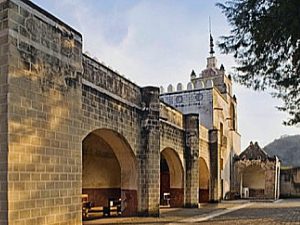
210,96
73,127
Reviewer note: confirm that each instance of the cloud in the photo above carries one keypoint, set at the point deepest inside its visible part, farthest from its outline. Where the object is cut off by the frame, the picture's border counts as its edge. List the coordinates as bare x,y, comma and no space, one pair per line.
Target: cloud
160,42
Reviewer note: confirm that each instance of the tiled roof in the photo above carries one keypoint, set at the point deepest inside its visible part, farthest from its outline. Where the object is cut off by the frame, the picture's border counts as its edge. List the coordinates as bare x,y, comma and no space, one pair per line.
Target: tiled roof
254,152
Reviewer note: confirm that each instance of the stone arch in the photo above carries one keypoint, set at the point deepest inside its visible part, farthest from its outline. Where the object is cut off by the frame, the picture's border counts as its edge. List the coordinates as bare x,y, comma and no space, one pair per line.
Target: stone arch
172,178
203,181
109,170
253,178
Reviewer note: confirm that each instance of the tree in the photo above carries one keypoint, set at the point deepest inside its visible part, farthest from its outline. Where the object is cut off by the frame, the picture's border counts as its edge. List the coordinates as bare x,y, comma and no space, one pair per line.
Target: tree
265,41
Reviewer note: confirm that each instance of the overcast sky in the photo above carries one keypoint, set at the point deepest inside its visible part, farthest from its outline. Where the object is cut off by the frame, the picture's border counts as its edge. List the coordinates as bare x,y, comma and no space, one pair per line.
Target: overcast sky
160,42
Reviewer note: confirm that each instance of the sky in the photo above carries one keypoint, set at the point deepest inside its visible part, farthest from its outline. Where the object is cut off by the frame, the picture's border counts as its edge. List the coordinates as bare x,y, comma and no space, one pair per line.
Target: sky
159,43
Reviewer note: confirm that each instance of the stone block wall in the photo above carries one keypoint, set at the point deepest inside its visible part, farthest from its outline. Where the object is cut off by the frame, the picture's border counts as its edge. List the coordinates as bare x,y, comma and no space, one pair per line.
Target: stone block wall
135,115
3,113
172,137
204,166
290,183
44,145
108,81
197,101
171,130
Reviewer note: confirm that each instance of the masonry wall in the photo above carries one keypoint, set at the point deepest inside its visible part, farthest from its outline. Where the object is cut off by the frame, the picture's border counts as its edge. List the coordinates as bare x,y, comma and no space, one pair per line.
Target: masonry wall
204,144
290,183
171,130
44,150
108,97
134,111
53,106
204,166
193,101
172,137
266,189
4,68
229,139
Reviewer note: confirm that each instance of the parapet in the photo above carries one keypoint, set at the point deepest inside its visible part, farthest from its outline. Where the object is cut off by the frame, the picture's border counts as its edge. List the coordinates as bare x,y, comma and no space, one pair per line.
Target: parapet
171,115
196,85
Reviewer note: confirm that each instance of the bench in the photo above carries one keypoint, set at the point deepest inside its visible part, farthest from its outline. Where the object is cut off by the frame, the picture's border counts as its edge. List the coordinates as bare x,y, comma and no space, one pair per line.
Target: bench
89,210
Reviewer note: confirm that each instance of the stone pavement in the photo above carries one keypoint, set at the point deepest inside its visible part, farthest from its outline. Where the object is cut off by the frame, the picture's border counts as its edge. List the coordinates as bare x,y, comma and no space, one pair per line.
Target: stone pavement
232,212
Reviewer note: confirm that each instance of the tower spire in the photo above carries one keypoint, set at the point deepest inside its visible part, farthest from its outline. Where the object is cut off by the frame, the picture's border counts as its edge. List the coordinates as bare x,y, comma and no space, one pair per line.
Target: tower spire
211,41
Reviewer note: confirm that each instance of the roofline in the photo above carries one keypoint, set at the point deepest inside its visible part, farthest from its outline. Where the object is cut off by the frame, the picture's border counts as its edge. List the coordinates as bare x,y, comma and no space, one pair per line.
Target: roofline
49,15
168,105
185,91
111,70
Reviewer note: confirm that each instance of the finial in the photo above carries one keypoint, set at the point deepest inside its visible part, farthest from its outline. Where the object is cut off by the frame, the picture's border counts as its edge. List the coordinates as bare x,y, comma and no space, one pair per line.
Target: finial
211,41
193,73
222,68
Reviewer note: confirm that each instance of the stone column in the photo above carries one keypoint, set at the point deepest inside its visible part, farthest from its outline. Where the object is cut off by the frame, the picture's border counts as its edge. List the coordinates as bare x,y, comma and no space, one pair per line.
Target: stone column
191,125
215,181
236,178
149,155
270,180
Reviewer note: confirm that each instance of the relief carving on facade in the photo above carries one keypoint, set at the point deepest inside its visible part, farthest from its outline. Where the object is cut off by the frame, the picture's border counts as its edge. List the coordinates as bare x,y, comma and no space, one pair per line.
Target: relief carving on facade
50,70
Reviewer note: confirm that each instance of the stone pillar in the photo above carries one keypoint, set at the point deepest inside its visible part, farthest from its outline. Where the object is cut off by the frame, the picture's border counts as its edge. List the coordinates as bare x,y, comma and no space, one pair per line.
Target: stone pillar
277,178
235,182
149,155
215,181
191,125
270,180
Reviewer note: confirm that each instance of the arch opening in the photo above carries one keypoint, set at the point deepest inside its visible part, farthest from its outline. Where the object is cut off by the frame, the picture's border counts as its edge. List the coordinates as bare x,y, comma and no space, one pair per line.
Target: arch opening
171,179
203,181
109,172
253,178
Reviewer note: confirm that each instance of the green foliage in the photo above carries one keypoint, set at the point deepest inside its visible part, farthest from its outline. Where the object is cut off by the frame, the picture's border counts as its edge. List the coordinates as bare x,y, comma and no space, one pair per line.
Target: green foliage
265,41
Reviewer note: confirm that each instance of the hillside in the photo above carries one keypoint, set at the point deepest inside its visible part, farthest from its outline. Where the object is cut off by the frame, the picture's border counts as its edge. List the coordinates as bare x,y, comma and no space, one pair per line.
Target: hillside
287,148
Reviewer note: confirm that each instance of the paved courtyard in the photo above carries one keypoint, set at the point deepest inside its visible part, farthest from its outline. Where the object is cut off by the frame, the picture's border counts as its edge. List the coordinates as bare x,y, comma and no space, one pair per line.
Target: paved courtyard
232,212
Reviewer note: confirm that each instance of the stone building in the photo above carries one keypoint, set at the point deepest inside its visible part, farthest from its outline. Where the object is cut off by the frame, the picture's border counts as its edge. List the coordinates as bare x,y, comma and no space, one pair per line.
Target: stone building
256,175
290,182
210,96
71,126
